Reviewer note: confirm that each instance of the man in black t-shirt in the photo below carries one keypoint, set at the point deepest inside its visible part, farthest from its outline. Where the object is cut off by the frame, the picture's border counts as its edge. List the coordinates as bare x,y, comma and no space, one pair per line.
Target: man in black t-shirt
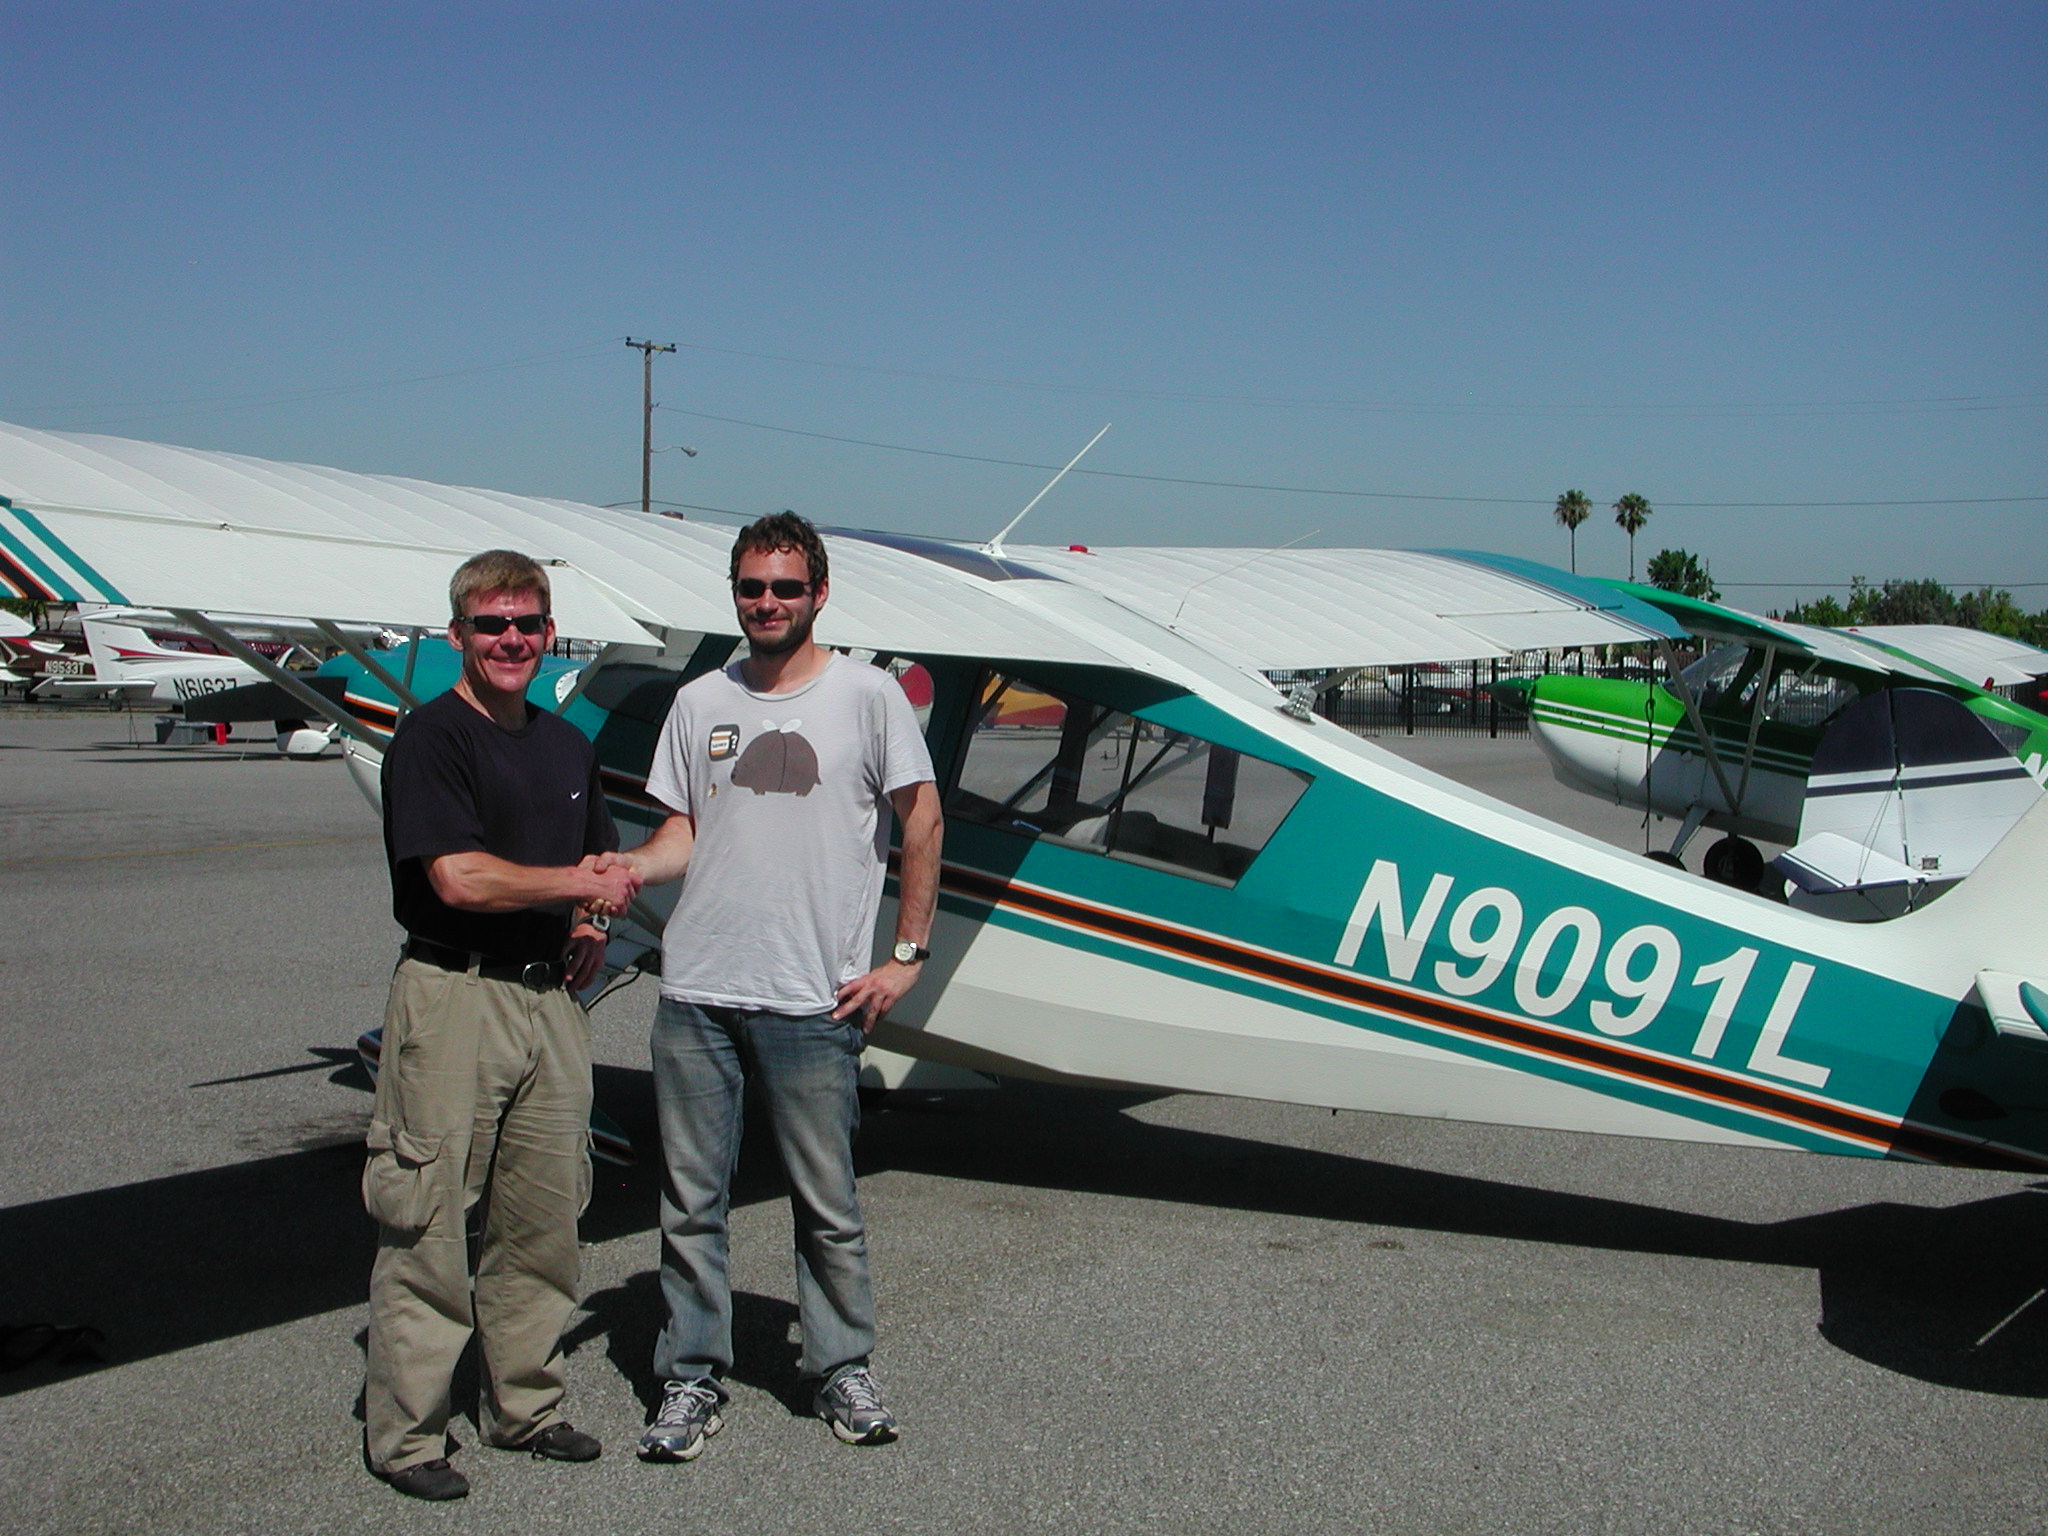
493,819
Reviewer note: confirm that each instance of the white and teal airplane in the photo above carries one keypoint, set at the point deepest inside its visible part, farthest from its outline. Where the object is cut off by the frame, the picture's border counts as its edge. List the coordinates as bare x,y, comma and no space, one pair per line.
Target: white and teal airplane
1161,870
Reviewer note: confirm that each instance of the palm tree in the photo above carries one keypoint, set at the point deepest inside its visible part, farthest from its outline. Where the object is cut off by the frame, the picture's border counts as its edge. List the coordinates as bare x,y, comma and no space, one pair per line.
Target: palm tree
1573,508
1630,513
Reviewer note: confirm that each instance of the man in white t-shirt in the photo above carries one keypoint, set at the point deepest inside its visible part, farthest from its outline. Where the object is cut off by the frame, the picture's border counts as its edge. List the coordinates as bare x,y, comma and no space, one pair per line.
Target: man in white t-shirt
780,772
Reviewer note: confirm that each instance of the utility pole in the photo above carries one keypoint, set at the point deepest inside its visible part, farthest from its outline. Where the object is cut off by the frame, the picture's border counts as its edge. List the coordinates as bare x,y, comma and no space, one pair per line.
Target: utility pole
647,351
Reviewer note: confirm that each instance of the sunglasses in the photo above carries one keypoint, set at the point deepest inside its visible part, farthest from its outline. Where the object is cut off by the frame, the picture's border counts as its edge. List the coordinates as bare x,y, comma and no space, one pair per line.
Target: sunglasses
497,623
785,587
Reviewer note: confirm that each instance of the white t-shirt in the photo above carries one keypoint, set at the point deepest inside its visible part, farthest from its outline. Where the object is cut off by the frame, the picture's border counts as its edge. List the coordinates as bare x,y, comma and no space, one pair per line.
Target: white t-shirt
791,796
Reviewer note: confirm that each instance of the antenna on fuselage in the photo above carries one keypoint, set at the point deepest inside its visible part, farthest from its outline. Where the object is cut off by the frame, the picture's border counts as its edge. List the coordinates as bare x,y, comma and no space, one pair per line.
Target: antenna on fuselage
995,545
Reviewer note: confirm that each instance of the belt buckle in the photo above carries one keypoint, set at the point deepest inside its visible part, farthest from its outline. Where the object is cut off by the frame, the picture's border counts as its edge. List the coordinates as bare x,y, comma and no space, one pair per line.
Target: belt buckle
537,975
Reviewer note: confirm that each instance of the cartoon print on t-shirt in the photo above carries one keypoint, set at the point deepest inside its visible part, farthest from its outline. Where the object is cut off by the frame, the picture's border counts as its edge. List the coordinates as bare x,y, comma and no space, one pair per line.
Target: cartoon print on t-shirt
777,762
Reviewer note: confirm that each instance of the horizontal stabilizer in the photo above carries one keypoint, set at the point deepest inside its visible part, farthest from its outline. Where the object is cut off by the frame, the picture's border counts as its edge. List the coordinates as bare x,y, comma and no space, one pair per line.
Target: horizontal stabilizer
262,701
94,687
1829,862
2018,1007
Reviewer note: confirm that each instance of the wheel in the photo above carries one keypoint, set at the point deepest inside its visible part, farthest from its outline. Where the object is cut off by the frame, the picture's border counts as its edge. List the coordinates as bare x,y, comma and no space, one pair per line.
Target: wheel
1734,861
1665,856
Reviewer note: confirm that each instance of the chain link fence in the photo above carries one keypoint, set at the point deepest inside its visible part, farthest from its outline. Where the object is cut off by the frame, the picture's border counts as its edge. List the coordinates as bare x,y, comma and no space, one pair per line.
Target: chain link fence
1447,698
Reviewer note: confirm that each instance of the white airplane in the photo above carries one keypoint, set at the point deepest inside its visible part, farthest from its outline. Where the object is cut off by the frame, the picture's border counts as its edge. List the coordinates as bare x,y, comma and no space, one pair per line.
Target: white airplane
145,657
27,655
130,662
1160,870
1875,752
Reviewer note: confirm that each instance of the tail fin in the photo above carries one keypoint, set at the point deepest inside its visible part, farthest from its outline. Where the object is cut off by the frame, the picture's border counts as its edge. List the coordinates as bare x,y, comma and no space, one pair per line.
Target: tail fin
112,646
1906,786
1998,916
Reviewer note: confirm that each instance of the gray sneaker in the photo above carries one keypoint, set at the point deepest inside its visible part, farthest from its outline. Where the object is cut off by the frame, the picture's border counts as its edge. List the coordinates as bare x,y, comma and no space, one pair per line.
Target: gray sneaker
689,1415
852,1404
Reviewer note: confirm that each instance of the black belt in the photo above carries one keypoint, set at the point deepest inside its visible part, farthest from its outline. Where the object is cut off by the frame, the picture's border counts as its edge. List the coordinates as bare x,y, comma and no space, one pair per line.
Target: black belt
534,975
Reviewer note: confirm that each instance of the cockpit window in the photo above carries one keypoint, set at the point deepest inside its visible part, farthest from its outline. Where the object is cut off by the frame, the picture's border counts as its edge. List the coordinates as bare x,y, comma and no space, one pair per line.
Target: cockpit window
1049,764
1806,696
966,558
1720,677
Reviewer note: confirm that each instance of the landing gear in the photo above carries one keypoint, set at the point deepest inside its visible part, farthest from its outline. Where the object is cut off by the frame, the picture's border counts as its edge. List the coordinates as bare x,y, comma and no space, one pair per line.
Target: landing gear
1665,856
1734,861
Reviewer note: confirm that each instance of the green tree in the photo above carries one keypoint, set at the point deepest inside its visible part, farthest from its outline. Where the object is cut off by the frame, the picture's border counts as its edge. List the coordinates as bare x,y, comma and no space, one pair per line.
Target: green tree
1630,513
1822,610
1573,508
1994,612
1899,601
1681,571
1910,602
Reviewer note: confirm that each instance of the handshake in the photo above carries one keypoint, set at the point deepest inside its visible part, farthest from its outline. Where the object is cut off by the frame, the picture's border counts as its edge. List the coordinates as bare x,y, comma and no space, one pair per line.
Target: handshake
612,883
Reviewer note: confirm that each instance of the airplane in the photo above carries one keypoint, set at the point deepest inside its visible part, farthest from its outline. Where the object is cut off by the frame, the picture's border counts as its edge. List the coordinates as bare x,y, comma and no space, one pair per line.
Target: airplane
144,658
1730,741
1161,870
28,655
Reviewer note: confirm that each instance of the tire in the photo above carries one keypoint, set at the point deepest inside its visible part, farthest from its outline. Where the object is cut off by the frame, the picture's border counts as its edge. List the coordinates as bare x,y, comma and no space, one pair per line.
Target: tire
1734,861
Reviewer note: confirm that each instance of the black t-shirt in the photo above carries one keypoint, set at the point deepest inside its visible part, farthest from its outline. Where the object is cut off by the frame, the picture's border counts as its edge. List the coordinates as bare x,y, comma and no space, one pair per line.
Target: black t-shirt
455,781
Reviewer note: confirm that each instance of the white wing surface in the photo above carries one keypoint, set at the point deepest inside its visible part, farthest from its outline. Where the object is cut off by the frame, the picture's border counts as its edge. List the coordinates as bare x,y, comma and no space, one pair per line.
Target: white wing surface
102,519
1973,655
1306,608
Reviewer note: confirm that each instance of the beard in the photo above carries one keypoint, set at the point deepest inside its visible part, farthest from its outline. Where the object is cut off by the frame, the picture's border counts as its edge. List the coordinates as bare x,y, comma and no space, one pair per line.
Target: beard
792,638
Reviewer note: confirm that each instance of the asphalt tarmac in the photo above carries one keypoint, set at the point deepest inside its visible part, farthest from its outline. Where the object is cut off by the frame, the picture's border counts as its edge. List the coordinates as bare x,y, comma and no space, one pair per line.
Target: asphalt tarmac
1099,1312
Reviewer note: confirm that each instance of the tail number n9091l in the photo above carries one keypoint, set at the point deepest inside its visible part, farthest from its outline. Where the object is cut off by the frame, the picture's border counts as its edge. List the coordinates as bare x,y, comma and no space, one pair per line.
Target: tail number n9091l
1640,970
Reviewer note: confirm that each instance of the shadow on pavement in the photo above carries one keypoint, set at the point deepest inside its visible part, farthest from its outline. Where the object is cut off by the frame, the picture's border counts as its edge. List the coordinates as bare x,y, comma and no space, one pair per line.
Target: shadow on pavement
169,1263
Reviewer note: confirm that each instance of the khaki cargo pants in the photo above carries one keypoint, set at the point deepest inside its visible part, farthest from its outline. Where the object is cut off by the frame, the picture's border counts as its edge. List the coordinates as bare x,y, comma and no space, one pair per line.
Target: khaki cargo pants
483,1097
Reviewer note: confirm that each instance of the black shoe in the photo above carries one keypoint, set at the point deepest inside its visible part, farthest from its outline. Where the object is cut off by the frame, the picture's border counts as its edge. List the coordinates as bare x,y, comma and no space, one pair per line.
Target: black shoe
429,1480
562,1441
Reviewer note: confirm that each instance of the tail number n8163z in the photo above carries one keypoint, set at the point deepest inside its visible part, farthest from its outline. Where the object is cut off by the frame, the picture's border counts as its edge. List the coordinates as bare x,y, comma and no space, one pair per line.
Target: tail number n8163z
1639,973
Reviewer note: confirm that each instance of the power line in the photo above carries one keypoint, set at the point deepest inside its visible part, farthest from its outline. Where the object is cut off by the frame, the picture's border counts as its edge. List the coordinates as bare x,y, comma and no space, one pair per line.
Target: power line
1825,582
1313,490
1937,404
212,405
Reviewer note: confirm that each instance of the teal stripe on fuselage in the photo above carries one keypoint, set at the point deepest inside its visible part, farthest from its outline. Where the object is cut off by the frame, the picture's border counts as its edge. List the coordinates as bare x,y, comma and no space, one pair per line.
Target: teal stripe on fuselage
1874,1037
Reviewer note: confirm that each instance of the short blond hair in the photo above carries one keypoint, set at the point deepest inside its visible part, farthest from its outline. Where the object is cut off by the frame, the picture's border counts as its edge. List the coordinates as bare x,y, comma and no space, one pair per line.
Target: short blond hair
497,570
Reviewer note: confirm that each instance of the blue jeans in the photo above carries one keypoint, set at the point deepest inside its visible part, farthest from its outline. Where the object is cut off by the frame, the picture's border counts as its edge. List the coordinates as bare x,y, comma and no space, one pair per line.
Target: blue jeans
808,1070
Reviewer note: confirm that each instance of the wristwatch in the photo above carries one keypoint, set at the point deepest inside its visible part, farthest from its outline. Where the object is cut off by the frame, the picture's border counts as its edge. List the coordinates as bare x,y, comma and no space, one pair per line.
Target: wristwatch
907,953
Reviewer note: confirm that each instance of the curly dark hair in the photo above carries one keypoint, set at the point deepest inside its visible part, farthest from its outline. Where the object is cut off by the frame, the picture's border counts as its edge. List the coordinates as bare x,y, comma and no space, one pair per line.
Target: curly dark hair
782,530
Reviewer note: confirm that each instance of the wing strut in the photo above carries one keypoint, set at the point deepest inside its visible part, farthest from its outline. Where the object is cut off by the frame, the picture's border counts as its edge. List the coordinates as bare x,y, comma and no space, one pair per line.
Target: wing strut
1756,723
325,708
404,695
1699,726
591,668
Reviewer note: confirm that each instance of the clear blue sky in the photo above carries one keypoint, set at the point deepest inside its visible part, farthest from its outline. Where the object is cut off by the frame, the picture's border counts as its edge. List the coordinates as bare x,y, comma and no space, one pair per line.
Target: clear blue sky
1777,253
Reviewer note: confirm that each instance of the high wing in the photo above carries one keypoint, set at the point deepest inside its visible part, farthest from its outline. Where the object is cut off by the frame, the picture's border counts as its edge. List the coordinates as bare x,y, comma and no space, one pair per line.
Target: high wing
1867,650
1302,609
101,519
1971,654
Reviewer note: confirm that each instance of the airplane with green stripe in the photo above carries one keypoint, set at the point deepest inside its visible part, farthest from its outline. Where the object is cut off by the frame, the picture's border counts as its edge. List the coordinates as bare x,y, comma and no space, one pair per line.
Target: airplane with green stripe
1728,741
